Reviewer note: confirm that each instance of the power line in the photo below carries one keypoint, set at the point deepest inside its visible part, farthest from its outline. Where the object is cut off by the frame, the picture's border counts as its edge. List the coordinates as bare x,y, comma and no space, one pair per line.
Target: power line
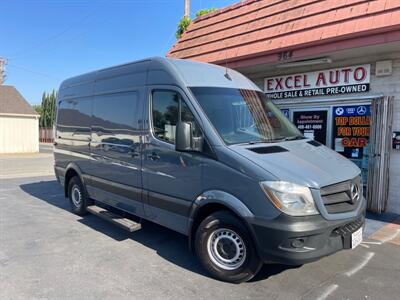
51,38
34,72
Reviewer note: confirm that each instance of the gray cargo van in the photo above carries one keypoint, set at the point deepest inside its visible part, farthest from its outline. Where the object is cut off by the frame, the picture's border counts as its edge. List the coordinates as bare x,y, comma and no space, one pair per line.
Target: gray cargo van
198,148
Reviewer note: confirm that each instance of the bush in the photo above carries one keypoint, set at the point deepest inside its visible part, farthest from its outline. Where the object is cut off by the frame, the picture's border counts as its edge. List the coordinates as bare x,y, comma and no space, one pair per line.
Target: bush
205,11
182,26
185,21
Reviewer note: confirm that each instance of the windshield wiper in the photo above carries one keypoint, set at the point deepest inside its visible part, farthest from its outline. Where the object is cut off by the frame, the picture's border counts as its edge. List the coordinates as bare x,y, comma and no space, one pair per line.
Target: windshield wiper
252,142
296,137
291,138
284,139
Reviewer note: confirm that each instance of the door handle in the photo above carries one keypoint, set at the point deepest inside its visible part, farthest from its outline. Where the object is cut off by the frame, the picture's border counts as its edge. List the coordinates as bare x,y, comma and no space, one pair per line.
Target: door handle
132,150
134,154
153,156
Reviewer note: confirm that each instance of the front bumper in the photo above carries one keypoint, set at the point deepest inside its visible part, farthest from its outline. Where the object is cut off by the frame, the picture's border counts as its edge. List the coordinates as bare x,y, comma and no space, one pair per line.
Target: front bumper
299,240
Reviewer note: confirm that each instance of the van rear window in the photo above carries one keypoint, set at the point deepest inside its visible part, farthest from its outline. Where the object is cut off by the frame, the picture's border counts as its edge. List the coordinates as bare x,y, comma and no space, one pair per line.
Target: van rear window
74,118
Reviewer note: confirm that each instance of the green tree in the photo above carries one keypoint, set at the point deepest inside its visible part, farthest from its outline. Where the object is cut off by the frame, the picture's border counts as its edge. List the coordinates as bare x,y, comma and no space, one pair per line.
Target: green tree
184,22
182,26
38,108
46,110
205,11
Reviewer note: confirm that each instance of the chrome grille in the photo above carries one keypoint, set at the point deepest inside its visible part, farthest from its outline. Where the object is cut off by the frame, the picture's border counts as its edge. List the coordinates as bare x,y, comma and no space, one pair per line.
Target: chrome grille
339,197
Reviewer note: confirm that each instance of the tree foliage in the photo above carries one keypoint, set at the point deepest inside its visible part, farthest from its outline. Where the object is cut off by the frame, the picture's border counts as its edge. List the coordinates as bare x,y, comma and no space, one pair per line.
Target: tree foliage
37,108
185,21
47,109
205,11
182,26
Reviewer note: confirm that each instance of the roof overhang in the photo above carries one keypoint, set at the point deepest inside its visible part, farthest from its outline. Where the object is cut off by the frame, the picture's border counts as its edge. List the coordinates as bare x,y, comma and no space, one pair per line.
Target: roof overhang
318,49
254,32
19,115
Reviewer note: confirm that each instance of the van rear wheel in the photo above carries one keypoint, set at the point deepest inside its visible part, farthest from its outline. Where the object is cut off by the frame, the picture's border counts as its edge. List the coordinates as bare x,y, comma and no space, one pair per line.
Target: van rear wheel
225,248
77,196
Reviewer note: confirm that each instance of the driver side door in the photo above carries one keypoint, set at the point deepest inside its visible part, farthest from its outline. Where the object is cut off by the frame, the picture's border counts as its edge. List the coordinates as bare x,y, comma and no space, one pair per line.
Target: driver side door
171,179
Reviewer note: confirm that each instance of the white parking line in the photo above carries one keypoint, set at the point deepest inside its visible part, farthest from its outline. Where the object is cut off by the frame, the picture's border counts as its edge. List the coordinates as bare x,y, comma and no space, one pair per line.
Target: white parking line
367,258
372,243
365,246
329,290
390,237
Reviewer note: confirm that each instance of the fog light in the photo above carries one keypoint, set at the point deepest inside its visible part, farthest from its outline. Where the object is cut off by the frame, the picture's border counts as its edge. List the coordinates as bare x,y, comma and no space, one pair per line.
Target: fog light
297,243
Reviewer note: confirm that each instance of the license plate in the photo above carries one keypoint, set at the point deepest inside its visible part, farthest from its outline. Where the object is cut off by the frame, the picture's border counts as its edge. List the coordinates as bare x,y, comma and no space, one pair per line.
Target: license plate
356,238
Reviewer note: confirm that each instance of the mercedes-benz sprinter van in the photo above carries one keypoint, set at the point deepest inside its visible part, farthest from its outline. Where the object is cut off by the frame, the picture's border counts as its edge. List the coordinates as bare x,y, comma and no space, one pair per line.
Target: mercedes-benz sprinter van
198,148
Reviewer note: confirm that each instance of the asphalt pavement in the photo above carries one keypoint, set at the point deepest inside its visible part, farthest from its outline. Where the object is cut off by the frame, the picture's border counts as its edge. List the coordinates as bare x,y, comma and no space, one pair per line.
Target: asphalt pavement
46,252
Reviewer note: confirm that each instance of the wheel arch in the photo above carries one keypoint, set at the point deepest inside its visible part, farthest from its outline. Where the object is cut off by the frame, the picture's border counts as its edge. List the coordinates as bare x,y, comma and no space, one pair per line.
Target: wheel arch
71,171
212,201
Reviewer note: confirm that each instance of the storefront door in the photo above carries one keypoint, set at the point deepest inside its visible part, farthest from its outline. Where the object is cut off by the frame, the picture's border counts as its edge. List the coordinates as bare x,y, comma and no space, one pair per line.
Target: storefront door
350,134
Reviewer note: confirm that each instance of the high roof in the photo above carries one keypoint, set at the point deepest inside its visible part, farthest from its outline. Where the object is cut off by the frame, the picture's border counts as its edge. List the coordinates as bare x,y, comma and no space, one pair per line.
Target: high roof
155,71
12,102
260,28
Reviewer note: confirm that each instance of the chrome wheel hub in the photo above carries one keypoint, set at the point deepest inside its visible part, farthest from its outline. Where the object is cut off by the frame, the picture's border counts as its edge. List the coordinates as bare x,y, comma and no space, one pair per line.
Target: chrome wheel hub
226,249
76,196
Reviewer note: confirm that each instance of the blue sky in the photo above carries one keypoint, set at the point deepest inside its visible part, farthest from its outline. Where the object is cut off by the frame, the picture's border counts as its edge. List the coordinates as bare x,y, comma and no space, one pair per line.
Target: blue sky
46,41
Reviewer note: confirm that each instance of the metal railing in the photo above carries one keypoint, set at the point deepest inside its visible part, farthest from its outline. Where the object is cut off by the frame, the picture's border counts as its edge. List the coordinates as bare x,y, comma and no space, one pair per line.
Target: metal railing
379,154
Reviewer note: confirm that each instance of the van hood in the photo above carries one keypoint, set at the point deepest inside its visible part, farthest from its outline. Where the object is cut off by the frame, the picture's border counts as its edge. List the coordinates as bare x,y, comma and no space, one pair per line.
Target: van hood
300,162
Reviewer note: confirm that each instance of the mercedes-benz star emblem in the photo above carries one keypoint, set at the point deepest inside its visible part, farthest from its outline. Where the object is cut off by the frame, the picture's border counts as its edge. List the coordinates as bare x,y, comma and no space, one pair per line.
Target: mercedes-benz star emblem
361,110
354,193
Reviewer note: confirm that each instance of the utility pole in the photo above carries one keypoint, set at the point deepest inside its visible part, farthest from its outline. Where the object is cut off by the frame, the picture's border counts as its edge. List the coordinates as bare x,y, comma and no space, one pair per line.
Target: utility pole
187,8
3,63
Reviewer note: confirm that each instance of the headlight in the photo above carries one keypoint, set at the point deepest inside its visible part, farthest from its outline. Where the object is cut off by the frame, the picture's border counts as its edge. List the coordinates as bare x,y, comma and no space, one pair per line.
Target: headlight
290,198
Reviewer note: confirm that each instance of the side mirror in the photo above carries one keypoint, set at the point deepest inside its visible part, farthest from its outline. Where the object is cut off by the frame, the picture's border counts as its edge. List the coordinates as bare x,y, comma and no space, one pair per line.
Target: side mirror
183,136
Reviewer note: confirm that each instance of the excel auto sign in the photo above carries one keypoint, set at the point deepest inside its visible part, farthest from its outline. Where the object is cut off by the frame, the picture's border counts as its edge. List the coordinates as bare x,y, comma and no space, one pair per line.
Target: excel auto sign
354,79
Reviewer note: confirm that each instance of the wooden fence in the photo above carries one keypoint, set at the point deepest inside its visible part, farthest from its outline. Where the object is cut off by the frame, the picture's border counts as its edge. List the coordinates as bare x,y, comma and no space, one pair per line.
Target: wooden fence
46,135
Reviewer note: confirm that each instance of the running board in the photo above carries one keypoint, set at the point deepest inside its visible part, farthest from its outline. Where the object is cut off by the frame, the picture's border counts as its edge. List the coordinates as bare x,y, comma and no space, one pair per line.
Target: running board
118,220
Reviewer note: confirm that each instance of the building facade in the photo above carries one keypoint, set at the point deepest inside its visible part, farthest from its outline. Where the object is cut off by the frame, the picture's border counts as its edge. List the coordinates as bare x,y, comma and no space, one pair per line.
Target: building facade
333,67
19,123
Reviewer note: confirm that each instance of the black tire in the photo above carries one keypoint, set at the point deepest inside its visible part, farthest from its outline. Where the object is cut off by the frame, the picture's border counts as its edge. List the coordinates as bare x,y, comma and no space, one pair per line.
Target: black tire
221,230
76,189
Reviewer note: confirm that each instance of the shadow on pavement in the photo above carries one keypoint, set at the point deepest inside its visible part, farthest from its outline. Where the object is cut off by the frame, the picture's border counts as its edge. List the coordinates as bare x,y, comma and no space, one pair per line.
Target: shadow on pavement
386,217
169,244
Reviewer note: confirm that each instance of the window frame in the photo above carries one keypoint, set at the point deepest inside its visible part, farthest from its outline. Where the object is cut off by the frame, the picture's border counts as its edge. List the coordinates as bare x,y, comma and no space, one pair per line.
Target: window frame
110,94
209,120
182,98
57,124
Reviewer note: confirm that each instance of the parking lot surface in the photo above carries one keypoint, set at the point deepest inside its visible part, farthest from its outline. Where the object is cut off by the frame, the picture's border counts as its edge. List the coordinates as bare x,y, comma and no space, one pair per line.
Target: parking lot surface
46,252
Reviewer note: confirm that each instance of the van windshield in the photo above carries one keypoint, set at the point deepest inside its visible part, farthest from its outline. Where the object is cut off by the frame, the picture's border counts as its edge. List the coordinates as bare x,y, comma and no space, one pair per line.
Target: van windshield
244,116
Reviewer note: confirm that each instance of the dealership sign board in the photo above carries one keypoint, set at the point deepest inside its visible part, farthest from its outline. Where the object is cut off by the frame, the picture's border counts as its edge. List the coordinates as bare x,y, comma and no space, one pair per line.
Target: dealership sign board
354,79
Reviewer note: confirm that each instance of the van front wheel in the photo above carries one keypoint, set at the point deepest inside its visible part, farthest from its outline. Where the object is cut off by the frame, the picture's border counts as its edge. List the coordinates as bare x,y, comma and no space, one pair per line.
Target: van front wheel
225,248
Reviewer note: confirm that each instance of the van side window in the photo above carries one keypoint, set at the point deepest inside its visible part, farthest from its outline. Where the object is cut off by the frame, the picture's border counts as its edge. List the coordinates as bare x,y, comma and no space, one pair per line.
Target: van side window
74,118
115,118
165,115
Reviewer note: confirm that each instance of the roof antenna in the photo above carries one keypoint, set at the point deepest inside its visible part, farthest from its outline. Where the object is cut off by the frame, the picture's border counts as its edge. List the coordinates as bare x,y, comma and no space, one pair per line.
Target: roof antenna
226,56
227,76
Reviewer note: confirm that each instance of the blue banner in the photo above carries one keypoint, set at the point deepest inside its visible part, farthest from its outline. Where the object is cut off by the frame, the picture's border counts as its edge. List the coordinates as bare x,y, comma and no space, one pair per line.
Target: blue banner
352,110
